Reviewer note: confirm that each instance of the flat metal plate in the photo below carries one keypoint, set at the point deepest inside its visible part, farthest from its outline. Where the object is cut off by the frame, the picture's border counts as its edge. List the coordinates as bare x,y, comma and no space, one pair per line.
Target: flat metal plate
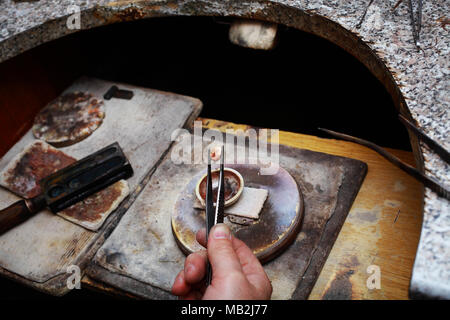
69,119
279,221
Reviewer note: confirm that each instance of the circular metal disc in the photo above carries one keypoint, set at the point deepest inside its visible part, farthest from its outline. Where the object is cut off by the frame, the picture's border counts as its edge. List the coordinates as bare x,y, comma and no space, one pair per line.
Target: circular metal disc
69,119
276,228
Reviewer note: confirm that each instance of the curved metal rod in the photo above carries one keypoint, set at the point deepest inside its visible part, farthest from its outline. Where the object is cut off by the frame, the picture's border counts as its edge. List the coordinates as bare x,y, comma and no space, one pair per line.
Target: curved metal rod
444,154
428,182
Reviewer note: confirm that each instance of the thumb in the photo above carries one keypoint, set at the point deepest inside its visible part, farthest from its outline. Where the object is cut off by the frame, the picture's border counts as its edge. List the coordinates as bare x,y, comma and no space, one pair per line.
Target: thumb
224,260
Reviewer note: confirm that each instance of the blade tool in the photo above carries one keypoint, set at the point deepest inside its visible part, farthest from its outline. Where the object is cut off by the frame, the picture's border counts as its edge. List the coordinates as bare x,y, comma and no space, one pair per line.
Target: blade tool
71,185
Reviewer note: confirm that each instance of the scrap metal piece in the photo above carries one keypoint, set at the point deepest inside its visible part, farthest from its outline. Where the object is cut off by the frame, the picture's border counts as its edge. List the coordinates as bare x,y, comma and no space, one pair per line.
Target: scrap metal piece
253,34
92,212
249,205
69,119
240,220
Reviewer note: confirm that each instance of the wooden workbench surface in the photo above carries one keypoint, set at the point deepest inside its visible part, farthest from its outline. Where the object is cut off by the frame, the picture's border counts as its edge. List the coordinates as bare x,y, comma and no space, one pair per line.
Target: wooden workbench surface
382,228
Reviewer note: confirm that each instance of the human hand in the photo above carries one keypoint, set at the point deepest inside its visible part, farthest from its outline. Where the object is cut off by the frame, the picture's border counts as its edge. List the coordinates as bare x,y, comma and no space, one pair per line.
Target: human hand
237,273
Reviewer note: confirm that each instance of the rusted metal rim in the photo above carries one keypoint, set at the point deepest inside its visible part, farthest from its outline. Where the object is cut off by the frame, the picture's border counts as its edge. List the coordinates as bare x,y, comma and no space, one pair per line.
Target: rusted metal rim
230,201
287,238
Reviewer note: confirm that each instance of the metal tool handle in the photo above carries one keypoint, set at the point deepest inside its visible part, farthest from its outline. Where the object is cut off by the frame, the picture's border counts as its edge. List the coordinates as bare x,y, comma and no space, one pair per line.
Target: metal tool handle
18,212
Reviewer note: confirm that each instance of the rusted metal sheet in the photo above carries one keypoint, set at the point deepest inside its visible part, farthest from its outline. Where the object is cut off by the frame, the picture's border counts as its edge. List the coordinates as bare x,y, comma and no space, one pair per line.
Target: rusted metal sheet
142,257
38,252
69,119
268,236
93,211
38,160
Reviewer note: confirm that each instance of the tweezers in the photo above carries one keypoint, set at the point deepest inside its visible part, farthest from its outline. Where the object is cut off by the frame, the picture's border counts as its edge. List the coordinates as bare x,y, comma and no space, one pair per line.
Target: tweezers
427,181
214,215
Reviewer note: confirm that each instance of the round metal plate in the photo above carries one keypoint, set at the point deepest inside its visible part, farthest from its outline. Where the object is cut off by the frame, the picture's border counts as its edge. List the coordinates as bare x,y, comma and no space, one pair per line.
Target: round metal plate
277,227
69,119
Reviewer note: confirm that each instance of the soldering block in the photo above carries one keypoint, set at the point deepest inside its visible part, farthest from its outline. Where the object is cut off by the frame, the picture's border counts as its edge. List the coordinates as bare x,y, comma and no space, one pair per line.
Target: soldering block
249,204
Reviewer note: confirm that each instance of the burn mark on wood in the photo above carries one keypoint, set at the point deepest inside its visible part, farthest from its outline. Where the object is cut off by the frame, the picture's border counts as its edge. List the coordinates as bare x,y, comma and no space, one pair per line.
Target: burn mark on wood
340,288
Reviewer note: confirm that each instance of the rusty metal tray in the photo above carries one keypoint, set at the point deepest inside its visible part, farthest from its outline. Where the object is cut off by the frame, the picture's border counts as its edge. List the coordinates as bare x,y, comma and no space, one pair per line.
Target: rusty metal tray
141,256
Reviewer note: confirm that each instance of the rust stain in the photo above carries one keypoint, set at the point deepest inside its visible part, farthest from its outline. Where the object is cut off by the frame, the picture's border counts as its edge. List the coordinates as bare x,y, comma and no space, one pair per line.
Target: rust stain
93,207
39,161
131,13
279,219
231,181
172,5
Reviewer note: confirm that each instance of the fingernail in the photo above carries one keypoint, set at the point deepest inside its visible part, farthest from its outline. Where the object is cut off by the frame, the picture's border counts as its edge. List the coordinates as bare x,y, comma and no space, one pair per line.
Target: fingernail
221,231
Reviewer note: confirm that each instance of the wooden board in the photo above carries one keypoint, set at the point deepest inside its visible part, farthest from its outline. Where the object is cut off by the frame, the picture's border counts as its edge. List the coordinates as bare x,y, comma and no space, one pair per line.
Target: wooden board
39,251
141,255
